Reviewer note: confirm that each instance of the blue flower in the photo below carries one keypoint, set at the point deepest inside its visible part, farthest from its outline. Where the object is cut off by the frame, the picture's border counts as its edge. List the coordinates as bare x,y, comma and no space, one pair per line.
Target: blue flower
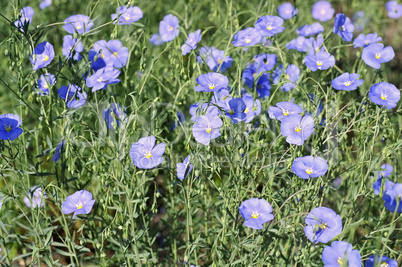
236,110
323,224
246,37
377,260
80,202
347,82
253,107
263,86
114,115
385,94
309,167
70,43
319,61
216,59
78,23
45,3
35,197
300,44
198,109
156,39
57,151
45,82
269,25
292,73
26,17
127,15
73,95
191,43
287,11
341,254
256,212
363,41
283,110
10,127
97,55
211,82
386,170
115,54
394,9
265,62
249,73
169,28
309,30
42,55
145,154
206,128
375,54
102,78
392,198
343,27
182,168
322,11
359,20
388,185
297,129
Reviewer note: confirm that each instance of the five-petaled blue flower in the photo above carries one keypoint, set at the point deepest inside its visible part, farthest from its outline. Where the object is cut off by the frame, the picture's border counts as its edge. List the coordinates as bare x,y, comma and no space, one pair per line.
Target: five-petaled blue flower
385,94
301,44
343,27
310,30
292,73
394,9
363,40
319,61
42,55
256,212
206,128
46,81
57,151
114,115
283,110
341,254
73,95
216,59
323,224
309,167
375,54
191,43
322,11
127,15
347,82
169,28
72,47
78,23
393,198
265,62
269,25
377,260
211,82
247,37
10,127
145,154
115,54
263,86
287,10
103,77
156,39
182,168
297,129
26,17
236,110
80,202
253,107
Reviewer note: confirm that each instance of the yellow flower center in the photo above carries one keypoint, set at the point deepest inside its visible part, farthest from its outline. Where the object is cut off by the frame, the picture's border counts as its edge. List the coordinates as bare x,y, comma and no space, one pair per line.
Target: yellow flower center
248,40
309,171
211,86
287,76
246,110
45,86
340,261
46,58
323,225
319,63
231,112
347,83
269,27
384,264
220,61
79,26
170,28
148,155
208,130
383,97
115,54
285,113
322,11
79,205
366,42
99,80
8,128
127,18
377,56
102,55
298,129
255,215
